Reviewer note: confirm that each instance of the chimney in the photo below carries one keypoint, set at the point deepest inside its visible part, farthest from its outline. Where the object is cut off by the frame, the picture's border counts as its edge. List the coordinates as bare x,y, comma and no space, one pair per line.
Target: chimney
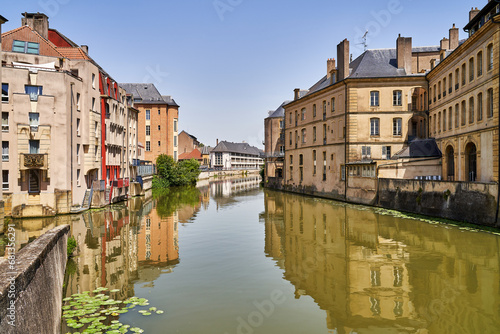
473,12
453,37
404,53
331,71
38,22
85,48
217,142
296,94
343,58
445,44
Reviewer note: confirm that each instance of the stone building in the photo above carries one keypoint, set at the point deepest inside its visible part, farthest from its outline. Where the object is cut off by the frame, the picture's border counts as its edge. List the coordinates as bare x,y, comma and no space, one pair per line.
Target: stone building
274,142
354,119
158,120
63,124
463,99
187,142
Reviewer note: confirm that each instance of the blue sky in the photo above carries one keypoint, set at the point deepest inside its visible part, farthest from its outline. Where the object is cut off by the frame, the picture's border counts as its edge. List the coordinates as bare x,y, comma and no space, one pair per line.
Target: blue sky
228,62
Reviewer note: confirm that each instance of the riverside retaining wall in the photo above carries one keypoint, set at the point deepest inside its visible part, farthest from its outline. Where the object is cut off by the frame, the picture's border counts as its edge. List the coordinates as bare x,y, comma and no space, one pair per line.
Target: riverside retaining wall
31,288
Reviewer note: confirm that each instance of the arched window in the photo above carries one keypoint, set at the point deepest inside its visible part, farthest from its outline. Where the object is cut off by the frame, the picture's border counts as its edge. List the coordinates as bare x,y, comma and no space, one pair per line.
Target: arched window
480,63
450,163
480,106
471,162
464,113
490,57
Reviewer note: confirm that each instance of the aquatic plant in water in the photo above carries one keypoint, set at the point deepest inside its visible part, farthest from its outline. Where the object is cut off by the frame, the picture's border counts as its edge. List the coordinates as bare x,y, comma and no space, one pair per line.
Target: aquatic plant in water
95,312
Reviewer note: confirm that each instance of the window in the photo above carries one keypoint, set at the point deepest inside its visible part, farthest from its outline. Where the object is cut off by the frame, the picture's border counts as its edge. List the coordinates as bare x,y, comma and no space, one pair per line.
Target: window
78,127
5,151
439,122
490,102
450,83
386,152
5,122
175,125
457,76
159,142
303,114
175,141
290,118
314,110
159,112
471,110
148,115
444,87
397,126
78,172
159,128
148,130
93,80
93,104
303,136
457,115
301,159
324,166
78,101
480,63
291,159
464,113
5,180
314,133
314,162
324,134
282,149
463,74
33,92
96,153
444,120
148,146
366,152
333,104
26,47
34,146
450,118
96,130
324,107
78,153
471,69
480,106
342,173
374,99
490,57
374,127
281,124
34,120
5,92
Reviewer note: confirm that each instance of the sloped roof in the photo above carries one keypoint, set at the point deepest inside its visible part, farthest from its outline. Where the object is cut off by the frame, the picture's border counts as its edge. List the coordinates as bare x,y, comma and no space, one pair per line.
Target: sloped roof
146,93
73,53
206,150
194,154
280,112
26,33
420,148
242,148
190,135
170,101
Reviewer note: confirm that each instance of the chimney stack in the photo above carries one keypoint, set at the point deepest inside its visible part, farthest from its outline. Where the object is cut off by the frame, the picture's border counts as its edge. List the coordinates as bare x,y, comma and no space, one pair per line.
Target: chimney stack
343,58
85,48
404,53
473,12
217,142
453,37
38,22
445,44
296,94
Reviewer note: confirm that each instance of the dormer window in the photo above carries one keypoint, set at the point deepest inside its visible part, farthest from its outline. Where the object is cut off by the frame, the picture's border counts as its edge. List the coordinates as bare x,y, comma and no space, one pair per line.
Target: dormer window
26,47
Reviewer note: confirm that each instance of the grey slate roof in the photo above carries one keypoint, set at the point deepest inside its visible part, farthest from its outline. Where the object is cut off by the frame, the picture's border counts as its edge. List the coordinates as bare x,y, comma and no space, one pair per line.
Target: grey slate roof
242,148
146,93
280,112
206,150
420,148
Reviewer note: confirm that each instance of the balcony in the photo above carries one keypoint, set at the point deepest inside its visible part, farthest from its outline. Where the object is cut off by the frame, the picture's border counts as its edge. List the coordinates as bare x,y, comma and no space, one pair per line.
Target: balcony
29,161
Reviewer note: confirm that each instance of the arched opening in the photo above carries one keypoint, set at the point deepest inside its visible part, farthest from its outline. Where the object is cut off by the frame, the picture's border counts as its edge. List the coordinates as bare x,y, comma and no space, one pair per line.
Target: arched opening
450,163
471,162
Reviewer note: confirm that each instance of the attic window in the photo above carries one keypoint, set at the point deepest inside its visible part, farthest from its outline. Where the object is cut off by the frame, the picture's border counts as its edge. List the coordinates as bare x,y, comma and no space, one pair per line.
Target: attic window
26,47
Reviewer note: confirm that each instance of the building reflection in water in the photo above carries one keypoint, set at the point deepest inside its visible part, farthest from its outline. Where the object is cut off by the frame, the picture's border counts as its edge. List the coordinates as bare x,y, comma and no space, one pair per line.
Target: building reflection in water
375,273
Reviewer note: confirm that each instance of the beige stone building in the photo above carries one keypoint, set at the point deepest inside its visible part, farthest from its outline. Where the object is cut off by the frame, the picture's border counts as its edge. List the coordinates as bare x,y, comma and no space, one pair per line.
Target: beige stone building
353,120
158,120
65,124
463,100
274,142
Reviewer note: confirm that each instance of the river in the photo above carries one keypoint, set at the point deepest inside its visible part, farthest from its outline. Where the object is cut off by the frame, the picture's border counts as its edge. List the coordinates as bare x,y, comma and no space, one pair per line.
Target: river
229,257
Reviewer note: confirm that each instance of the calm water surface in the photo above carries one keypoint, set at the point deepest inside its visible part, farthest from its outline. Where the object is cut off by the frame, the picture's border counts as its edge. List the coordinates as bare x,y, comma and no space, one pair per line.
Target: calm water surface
229,257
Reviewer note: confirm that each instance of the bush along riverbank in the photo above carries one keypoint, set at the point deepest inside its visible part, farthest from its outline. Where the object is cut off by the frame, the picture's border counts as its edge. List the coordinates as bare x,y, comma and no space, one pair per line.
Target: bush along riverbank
171,173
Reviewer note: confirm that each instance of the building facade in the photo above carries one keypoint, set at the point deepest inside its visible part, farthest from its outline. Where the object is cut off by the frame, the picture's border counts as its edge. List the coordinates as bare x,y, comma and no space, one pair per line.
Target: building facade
235,156
187,142
274,142
158,120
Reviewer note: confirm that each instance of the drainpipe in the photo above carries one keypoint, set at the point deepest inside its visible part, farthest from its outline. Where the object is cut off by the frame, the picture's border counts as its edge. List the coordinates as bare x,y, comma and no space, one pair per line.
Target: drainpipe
71,136
345,143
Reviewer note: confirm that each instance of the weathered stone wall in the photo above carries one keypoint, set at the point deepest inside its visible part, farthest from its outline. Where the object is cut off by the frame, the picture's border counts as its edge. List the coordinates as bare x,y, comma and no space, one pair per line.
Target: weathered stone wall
470,202
35,286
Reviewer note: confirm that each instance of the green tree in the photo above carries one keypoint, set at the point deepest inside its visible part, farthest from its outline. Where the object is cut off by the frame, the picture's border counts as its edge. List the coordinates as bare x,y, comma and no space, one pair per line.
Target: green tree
172,173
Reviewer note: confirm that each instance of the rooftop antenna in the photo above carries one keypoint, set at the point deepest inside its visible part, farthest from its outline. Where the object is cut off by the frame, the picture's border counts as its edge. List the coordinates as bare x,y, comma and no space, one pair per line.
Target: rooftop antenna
364,43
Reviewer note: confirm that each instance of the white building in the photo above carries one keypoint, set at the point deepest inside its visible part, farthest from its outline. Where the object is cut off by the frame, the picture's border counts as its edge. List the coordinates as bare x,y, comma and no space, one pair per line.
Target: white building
235,156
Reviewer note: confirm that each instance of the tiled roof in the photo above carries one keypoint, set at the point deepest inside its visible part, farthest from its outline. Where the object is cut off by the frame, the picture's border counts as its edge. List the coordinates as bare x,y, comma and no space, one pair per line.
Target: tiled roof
26,33
73,53
242,148
146,93
194,154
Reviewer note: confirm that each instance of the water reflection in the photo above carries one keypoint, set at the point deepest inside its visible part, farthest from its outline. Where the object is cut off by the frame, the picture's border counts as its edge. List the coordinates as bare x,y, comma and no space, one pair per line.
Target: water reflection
381,274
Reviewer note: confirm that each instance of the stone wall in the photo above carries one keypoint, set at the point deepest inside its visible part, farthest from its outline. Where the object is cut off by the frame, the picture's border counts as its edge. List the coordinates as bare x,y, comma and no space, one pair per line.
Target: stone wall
470,202
34,287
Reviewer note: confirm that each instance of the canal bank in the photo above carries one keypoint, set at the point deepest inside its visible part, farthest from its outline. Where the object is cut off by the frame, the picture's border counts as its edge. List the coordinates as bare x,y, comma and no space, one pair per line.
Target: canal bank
470,202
